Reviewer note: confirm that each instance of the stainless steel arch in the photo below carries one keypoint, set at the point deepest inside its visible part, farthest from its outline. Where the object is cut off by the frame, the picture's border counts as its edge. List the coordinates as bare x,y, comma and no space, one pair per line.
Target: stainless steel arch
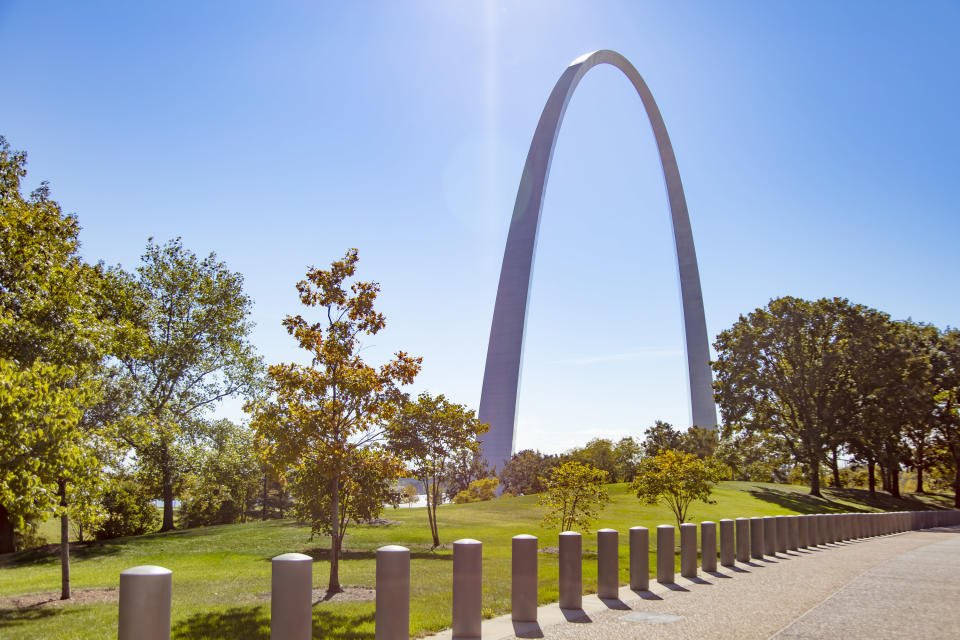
501,377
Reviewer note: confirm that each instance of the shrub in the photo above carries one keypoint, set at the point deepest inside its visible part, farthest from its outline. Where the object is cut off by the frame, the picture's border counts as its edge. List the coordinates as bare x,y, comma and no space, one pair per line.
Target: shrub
129,512
478,491
207,507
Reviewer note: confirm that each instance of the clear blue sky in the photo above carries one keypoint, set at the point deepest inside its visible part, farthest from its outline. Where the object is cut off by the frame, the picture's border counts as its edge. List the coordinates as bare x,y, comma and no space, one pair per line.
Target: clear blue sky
817,141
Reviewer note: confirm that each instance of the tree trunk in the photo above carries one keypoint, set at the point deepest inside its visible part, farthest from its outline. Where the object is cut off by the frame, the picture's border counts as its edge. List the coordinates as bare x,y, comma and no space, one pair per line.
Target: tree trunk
333,586
167,481
920,480
814,479
956,483
835,468
6,531
281,502
871,479
263,500
64,544
884,478
895,481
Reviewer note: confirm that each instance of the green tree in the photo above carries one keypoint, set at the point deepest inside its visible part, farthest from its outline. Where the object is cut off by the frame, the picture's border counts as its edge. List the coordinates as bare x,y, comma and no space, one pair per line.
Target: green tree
574,496
626,457
429,434
191,352
227,480
39,411
54,330
677,479
788,370
700,441
948,406
320,415
523,473
660,437
478,491
598,453
368,484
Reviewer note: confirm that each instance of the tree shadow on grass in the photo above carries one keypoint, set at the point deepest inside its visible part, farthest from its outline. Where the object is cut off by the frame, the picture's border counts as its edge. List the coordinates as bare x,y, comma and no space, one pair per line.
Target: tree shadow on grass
50,553
253,623
805,503
796,501
242,623
25,615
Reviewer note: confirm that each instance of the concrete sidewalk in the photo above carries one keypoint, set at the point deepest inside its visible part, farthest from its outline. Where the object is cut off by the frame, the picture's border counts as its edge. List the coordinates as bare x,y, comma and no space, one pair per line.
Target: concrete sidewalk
898,586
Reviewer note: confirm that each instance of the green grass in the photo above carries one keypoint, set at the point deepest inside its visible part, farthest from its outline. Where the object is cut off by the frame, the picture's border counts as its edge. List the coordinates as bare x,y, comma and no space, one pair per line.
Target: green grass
221,575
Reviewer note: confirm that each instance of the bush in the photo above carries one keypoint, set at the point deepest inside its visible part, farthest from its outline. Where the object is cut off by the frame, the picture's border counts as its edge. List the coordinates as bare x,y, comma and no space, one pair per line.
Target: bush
129,512
207,507
478,491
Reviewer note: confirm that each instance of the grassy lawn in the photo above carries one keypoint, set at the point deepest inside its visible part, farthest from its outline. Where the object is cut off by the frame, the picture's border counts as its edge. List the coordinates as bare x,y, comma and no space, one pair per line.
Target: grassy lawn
221,575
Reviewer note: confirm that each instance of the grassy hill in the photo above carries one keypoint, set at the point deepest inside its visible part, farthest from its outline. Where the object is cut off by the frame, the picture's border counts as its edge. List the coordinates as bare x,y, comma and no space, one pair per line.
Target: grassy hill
221,575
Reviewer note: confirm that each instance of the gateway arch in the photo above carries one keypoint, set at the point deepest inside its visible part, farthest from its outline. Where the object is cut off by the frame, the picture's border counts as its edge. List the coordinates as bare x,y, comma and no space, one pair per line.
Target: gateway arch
501,376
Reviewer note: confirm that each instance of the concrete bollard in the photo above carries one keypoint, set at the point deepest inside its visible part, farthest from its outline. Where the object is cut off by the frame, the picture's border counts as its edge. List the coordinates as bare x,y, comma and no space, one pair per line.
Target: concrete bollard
742,525
639,558
769,536
793,533
467,588
727,543
782,534
708,545
571,577
145,594
665,554
291,597
688,550
392,612
608,563
803,531
756,538
523,568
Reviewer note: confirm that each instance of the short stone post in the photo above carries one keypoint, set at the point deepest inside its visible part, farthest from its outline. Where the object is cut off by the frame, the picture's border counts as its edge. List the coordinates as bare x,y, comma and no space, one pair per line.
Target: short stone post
769,536
639,558
708,545
665,554
793,533
571,577
608,563
803,531
392,610
523,592
467,588
727,543
830,522
782,534
291,597
756,538
742,526
688,550
145,594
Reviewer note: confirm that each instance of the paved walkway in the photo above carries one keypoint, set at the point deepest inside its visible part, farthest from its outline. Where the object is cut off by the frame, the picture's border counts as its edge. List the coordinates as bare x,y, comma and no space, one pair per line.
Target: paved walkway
899,586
